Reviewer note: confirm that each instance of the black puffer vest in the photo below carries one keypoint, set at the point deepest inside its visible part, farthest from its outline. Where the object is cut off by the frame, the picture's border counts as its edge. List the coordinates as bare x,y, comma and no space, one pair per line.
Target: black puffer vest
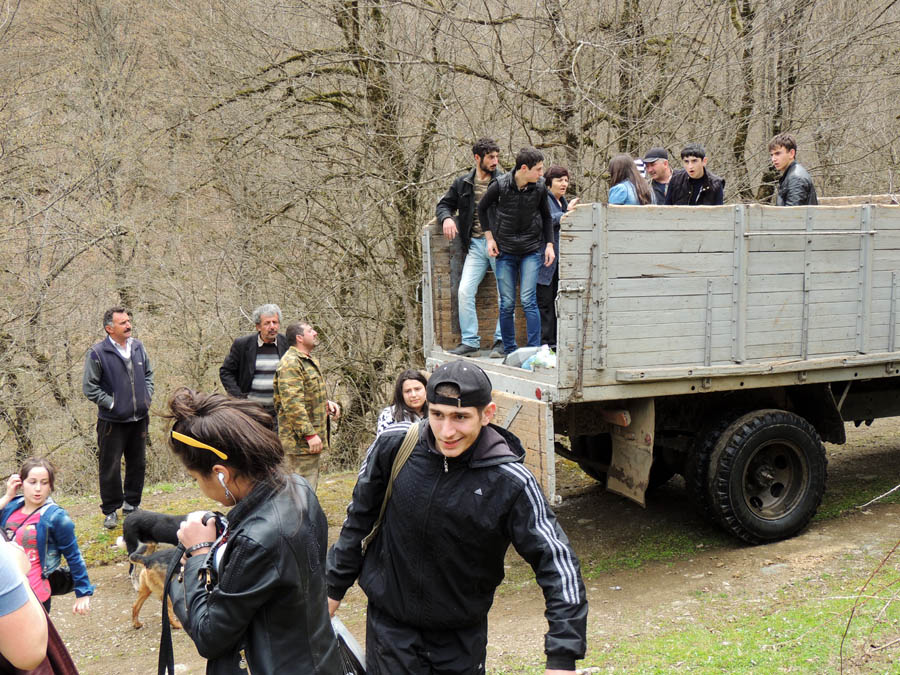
517,226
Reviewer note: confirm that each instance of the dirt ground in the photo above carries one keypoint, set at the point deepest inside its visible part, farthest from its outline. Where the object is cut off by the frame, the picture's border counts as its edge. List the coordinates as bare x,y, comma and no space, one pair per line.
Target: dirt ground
627,602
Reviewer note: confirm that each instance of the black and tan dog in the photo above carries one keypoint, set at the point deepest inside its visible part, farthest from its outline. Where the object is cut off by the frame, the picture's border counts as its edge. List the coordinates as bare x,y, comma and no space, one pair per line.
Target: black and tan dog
152,580
144,527
141,527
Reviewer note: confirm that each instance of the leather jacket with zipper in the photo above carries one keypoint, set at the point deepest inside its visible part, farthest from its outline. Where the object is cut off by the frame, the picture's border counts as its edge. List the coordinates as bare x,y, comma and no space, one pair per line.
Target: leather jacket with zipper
268,605
711,193
460,199
795,188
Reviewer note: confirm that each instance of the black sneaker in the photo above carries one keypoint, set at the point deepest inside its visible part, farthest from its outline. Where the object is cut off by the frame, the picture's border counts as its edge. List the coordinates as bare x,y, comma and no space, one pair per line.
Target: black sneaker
127,508
497,350
463,350
111,521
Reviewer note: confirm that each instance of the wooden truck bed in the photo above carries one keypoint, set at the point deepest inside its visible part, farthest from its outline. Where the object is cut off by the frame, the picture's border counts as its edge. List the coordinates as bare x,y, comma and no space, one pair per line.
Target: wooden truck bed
655,301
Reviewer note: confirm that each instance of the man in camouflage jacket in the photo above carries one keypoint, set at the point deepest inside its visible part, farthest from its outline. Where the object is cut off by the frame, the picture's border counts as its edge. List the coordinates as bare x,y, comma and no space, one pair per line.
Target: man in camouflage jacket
301,405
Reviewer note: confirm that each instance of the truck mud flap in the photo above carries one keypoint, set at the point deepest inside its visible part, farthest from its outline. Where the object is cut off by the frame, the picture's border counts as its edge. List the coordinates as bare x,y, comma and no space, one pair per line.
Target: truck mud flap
632,452
532,422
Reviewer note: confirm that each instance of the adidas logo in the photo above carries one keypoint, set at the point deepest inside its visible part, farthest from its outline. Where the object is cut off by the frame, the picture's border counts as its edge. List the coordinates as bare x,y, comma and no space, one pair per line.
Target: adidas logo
479,492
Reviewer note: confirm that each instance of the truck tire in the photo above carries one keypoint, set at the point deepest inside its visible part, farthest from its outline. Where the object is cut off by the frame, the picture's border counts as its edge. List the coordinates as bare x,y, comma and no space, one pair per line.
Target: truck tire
767,476
696,467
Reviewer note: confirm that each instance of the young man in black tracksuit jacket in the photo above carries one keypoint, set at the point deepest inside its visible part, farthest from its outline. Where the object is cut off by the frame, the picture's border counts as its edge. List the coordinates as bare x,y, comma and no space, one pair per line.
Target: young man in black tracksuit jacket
456,505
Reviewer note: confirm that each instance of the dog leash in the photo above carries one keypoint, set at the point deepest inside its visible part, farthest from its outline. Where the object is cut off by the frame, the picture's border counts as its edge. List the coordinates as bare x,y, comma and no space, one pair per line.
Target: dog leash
166,664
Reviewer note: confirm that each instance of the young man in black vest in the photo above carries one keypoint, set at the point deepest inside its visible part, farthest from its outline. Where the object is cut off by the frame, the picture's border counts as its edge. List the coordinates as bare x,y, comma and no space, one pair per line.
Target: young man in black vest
519,233
119,379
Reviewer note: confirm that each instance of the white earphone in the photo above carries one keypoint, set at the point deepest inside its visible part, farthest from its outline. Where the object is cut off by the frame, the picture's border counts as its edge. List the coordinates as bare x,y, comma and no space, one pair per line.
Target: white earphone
222,478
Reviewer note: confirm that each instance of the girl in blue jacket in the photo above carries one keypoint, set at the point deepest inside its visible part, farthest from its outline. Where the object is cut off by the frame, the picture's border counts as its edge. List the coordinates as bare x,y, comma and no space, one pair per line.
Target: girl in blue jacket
627,185
43,528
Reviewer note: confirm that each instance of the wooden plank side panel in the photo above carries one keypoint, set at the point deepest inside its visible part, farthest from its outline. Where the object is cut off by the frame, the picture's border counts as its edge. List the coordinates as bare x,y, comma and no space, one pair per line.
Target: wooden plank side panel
677,286
716,241
822,262
797,242
670,265
766,218
663,357
670,218
447,261
530,426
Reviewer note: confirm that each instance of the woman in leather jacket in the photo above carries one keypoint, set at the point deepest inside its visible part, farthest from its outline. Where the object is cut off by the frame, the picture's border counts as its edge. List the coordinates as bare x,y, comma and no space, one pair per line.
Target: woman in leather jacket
254,592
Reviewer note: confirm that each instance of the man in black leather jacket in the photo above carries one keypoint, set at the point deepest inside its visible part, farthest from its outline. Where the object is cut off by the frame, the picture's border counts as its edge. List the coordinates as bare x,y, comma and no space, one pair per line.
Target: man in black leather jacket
795,187
465,231
456,505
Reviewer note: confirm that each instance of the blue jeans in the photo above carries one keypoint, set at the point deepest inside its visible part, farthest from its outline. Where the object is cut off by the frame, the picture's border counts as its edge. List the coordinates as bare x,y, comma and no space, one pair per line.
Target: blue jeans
474,269
524,269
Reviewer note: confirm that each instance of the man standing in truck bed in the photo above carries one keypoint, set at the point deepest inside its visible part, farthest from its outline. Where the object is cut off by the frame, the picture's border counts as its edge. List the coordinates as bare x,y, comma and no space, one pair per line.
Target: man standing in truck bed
519,231
462,198
795,188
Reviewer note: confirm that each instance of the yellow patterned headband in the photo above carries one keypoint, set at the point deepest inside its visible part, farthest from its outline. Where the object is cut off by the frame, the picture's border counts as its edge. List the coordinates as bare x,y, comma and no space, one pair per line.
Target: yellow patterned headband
187,440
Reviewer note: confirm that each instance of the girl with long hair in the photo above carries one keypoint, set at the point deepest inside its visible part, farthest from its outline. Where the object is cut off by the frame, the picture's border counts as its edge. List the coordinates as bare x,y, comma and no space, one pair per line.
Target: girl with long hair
627,185
46,532
409,403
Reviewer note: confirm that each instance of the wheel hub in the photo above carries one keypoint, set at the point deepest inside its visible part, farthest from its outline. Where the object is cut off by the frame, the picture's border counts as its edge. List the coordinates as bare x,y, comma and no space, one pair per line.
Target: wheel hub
774,479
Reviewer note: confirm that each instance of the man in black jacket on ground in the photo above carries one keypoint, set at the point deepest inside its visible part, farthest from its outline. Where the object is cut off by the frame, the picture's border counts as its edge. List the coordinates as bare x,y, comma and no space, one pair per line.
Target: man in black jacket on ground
456,505
119,379
694,185
249,368
795,188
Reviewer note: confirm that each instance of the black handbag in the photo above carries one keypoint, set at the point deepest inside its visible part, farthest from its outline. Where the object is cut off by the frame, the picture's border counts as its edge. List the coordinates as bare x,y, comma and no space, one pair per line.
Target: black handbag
61,581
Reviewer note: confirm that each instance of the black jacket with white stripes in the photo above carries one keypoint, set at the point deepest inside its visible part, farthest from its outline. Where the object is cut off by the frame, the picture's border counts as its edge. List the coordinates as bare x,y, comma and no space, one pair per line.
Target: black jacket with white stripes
438,558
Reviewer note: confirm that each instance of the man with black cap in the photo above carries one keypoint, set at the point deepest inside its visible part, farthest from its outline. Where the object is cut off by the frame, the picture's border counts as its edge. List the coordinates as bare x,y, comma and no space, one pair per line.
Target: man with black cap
457,503
656,161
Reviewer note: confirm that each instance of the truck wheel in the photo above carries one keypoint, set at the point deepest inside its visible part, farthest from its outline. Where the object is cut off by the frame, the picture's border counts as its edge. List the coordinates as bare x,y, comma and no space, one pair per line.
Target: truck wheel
593,454
767,476
696,467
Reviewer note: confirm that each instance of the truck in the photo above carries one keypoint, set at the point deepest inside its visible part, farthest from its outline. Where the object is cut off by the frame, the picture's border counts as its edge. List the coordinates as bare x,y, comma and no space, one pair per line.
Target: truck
721,343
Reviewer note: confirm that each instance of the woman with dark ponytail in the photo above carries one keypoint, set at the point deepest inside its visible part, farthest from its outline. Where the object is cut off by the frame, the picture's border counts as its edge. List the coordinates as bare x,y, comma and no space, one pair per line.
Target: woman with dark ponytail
255,598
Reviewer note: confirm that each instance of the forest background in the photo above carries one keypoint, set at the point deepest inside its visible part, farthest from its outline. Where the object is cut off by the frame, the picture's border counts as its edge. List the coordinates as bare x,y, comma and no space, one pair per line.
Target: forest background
192,160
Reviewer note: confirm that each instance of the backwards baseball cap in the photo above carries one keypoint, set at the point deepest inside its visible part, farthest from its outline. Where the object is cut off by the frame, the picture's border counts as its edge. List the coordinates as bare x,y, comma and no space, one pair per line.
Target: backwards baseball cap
655,154
473,383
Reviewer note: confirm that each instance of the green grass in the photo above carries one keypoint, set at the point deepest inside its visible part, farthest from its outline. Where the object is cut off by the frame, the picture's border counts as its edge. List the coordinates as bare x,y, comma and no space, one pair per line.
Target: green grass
795,631
841,498
654,546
